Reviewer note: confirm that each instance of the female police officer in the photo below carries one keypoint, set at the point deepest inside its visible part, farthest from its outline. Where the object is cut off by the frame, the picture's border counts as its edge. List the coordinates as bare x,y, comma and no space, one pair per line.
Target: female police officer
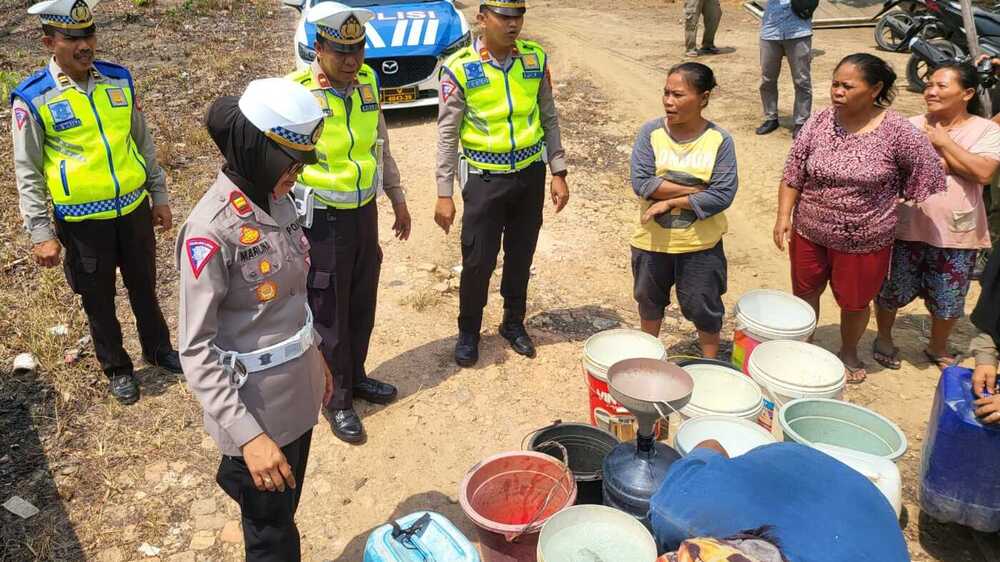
247,343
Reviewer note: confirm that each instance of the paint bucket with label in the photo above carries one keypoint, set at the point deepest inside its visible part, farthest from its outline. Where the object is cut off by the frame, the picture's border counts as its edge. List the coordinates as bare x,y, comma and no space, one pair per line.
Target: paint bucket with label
786,370
600,352
764,315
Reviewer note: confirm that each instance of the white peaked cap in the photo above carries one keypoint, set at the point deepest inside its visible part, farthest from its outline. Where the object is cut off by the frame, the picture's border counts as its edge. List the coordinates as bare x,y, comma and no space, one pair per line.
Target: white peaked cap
285,111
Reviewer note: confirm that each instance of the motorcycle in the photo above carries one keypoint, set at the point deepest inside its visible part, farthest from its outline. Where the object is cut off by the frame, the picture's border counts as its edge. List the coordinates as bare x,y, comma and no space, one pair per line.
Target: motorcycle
900,21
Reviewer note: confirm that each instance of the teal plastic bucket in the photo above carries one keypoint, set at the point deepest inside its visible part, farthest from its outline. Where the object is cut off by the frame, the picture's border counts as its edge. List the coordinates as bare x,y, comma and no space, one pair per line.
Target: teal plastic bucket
813,421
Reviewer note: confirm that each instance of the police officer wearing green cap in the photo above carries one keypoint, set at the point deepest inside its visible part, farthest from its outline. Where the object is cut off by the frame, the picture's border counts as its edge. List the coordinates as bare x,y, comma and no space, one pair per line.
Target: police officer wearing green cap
80,139
496,103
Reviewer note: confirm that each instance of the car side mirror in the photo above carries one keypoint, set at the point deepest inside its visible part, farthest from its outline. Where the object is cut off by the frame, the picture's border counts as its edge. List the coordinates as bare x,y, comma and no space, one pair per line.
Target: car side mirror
297,4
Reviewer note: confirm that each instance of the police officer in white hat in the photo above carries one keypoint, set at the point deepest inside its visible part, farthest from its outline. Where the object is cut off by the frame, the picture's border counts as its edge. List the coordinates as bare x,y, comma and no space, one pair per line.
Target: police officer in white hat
338,195
246,334
80,139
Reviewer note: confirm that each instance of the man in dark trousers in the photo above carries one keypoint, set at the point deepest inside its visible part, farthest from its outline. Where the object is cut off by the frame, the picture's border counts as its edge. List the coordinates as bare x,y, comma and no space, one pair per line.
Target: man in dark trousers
496,101
80,139
337,196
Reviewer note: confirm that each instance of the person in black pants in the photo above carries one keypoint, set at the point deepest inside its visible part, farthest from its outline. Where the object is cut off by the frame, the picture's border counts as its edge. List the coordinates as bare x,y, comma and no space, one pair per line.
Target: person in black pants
81,141
496,107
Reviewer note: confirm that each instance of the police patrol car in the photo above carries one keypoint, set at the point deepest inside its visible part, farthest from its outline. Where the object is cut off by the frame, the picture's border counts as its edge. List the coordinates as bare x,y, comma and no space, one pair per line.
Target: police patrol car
408,40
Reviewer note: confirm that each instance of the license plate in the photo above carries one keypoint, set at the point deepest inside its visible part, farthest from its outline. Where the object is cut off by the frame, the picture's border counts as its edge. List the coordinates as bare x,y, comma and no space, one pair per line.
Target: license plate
399,95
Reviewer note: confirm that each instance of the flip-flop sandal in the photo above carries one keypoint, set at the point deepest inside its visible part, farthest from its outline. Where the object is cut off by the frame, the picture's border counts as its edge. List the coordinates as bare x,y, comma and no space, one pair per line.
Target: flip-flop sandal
942,361
887,360
856,375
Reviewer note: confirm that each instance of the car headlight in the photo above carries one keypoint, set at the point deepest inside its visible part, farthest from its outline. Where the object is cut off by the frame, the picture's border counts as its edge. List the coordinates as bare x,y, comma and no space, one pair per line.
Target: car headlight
463,41
306,53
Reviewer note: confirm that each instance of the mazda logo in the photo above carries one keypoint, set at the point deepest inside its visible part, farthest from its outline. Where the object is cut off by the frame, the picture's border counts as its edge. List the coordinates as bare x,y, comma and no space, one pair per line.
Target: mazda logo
390,67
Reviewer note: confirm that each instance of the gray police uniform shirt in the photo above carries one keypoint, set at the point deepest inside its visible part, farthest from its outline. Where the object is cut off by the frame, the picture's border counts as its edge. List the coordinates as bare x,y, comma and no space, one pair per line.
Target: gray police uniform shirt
29,140
451,113
243,288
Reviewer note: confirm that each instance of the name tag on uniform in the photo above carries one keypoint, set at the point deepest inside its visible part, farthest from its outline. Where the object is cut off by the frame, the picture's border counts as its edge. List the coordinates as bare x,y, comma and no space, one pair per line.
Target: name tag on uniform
246,254
117,97
368,100
475,76
63,116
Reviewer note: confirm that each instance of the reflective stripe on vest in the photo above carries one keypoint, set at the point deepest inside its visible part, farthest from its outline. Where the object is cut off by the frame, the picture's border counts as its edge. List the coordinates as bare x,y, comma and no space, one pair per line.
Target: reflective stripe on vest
91,165
501,129
344,177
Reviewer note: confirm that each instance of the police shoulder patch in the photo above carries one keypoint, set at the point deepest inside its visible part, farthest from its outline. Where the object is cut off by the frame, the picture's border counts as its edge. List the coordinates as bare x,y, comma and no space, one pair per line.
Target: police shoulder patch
21,117
240,204
200,251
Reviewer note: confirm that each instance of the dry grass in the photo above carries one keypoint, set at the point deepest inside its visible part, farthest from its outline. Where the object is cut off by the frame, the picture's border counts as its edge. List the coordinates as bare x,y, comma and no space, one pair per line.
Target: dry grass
67,447
423,299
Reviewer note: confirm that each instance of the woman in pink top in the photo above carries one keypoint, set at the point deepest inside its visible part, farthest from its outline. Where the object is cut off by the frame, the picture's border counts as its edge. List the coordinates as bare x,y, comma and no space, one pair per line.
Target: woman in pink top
937,240
846,171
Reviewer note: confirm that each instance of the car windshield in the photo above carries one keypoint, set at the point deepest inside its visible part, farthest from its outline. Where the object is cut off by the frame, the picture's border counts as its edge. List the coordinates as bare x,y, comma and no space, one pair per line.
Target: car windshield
364,3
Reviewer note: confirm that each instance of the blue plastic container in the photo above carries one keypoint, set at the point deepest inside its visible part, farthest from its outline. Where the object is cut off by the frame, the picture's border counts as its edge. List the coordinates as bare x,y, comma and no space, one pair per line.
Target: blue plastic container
426,537
959,478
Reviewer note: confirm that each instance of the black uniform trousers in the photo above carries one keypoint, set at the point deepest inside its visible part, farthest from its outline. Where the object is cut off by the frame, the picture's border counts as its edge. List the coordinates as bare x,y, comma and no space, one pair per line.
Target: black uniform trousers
268,518
343,286
94,250
505,207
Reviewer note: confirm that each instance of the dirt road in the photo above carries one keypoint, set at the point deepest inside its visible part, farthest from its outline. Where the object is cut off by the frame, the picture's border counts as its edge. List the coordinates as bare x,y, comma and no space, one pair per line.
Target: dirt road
609,60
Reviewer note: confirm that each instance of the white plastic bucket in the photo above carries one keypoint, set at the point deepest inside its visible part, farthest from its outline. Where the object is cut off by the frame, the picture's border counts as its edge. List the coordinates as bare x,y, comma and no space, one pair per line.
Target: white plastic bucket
765,315
880,471
594,532
737,436
600,352
787,369
720,389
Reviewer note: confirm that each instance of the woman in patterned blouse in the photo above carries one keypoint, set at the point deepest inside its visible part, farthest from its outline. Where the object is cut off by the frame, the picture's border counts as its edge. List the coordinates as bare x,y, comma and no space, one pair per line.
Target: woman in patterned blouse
846,171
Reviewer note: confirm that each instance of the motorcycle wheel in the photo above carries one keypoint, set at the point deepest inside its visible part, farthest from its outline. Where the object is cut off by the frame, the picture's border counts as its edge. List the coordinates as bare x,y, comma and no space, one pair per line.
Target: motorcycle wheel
918,69
886,37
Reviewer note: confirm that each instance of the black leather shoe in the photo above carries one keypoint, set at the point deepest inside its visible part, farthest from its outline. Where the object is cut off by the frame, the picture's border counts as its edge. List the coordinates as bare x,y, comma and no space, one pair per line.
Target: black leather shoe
795,130
376,392
514,332
347,426
124,388
768,127
467,349
168,360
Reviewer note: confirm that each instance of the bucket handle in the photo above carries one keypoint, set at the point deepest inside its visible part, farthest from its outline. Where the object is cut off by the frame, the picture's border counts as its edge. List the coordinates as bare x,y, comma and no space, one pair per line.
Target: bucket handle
524,439
532,525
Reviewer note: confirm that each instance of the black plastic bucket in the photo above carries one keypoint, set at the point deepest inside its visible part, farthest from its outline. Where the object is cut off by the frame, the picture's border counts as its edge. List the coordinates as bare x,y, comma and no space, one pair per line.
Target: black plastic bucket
586,446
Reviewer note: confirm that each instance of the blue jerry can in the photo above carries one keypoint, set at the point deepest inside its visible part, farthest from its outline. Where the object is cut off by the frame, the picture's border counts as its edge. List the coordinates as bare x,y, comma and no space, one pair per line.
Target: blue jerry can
423,536
959,480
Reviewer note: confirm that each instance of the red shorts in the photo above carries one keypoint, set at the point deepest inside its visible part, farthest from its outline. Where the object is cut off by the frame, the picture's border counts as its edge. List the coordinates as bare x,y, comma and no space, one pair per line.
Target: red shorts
854,278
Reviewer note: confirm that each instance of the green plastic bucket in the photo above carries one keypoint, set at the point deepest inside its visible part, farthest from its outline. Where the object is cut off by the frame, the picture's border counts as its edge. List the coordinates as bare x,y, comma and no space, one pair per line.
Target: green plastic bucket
813,421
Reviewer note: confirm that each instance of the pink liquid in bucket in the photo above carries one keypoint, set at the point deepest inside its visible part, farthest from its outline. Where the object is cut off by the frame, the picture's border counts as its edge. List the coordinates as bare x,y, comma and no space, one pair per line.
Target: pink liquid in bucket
509,496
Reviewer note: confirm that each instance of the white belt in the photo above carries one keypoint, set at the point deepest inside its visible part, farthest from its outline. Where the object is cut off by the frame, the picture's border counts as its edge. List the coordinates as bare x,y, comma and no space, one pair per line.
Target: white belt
240,365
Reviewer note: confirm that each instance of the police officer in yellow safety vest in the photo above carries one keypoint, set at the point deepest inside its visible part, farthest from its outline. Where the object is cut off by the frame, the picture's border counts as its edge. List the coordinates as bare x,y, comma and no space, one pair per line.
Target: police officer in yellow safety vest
80,138
336,200
496,100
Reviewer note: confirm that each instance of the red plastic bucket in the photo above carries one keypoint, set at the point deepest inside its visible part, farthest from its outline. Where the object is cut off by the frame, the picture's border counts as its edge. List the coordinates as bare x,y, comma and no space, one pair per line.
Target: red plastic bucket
510,496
